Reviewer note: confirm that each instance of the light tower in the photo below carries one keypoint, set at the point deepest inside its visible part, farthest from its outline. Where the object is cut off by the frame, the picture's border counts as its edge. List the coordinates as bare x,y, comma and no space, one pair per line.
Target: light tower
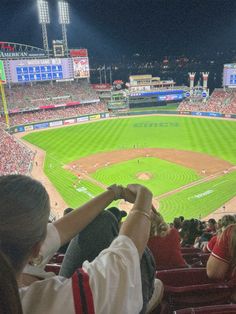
191,79
44,19
64,19
205,79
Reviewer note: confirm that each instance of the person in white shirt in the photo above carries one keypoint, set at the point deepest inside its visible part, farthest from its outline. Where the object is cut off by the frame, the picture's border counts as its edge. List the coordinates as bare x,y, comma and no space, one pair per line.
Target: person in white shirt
109,284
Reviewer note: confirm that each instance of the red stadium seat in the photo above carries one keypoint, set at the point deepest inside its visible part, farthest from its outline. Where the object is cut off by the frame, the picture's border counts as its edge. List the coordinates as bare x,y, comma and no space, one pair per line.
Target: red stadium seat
191,288
54,268
59,258
191,258
215,309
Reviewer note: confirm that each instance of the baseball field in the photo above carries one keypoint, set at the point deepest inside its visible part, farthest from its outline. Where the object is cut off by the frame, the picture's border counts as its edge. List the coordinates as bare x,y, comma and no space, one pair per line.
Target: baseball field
188,163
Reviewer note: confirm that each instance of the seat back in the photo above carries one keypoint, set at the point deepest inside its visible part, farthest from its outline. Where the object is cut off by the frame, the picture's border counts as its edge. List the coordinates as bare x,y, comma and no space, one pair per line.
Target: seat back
192,288
215,309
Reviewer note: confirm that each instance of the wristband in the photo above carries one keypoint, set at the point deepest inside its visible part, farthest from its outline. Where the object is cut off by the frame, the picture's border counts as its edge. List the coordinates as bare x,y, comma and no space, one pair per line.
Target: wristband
135,211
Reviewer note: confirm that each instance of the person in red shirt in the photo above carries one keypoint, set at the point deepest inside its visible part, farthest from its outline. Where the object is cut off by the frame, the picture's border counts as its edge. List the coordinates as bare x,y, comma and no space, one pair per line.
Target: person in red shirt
222,261
164,243
224,222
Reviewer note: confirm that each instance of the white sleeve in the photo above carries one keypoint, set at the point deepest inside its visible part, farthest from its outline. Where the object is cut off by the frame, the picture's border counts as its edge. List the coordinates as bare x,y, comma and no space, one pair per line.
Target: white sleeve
115,278
49,247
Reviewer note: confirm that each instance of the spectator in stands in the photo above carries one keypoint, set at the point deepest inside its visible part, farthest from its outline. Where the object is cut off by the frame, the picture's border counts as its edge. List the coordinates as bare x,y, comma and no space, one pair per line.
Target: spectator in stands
177,223
9,300
97,236
222,261
190,232
211,226
119,214
225,221
24,212
164,243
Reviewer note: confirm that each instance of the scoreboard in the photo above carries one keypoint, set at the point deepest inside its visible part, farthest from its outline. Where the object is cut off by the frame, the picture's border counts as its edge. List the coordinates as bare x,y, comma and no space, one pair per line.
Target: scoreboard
229,75
20,71
39,73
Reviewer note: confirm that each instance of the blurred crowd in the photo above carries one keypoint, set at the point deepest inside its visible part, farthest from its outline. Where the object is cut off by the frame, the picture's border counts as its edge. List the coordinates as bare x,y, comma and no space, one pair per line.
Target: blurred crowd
222,101
22,96
53,114
15,158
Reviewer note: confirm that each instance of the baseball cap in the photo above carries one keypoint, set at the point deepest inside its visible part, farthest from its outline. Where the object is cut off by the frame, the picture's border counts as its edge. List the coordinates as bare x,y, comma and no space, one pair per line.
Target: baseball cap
119,214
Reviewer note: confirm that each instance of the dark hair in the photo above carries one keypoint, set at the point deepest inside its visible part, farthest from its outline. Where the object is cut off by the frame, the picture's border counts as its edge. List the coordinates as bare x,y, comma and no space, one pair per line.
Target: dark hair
24,212
212,221
9,300
67,211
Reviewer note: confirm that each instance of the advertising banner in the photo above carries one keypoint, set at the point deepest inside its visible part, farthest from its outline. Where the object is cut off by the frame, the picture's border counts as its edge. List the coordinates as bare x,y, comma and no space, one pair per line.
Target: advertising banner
82,119
29,128
69,121
55,123
81,67
94,117
184,112
206,114
2,72
104,115
101,86
41,126
21,128
79,53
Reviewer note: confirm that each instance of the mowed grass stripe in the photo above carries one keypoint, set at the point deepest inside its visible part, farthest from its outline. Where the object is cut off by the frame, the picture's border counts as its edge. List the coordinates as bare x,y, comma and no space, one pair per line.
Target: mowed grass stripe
201,200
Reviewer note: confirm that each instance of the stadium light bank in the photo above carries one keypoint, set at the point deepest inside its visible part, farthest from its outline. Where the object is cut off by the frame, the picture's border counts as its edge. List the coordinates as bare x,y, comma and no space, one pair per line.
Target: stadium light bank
44,19
64,19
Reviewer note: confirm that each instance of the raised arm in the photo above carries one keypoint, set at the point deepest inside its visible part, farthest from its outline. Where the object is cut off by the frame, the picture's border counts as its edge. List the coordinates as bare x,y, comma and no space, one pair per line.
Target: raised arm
137,225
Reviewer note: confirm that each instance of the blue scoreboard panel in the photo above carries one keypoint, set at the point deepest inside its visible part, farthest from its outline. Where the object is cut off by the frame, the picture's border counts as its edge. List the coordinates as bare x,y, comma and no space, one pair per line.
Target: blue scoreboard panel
39,73
34,70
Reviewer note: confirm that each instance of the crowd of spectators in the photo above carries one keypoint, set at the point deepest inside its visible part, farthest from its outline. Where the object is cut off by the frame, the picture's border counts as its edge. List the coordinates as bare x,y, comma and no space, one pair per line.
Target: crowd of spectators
15,158
221,100
53,114
30,95
106,265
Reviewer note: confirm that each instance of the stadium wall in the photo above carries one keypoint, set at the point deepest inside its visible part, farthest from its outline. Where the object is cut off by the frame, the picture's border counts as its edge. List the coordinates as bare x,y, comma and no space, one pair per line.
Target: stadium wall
105,115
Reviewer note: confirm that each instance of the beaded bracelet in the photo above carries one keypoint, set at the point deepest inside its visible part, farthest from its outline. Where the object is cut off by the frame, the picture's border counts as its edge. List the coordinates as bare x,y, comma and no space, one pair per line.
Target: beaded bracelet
141,213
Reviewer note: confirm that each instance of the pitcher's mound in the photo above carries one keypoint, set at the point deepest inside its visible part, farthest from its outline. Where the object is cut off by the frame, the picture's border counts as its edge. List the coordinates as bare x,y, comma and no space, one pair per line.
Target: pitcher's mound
144,176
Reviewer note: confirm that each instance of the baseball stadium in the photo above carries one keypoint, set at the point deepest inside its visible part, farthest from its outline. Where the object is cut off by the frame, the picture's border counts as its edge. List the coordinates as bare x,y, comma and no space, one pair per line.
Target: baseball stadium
79,138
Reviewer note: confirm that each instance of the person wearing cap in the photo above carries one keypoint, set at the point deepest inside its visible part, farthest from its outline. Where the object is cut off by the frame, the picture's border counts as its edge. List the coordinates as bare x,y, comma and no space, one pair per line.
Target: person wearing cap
96,237
119,214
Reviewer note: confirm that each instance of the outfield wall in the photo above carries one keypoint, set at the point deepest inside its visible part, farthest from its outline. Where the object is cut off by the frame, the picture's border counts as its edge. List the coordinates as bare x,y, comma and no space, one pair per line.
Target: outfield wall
105,115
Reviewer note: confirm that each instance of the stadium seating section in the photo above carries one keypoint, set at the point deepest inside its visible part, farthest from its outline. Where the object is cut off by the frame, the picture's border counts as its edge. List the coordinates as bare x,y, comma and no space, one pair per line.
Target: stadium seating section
223,101
14,156
21,96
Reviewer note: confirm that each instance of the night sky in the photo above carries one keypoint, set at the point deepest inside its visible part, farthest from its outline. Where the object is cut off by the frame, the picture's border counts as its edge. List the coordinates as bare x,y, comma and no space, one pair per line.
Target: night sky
110,28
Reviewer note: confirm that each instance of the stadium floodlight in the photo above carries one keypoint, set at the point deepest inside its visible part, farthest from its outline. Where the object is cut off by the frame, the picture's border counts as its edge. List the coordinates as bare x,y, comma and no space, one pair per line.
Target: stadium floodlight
64,16
44,19
43,12
64,19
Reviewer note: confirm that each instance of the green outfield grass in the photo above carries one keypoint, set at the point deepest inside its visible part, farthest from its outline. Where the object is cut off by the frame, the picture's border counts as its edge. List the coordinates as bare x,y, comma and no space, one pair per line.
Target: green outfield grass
165,176
63,145
201,200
